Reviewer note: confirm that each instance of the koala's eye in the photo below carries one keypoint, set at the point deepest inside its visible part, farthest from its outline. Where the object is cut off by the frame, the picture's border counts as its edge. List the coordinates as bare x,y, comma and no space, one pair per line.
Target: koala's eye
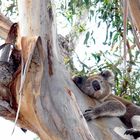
105,74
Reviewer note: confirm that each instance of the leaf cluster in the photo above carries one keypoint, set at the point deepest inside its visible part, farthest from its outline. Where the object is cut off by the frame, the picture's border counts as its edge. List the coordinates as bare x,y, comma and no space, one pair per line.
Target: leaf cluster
9,8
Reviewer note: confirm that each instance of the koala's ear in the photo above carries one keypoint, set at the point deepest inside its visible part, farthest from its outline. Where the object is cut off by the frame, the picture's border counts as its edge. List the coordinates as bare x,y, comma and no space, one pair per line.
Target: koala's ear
108,75
78,80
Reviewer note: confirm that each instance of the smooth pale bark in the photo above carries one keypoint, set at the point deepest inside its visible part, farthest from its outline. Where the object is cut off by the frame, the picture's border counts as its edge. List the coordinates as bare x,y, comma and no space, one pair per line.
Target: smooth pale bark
54,108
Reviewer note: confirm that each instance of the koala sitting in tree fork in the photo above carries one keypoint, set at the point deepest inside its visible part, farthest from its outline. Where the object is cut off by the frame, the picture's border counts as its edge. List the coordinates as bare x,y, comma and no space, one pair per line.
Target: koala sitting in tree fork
99,87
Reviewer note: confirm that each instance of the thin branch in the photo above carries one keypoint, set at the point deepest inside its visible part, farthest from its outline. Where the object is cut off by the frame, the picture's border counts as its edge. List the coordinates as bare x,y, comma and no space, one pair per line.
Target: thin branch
5,25
125,14
134,11
134,17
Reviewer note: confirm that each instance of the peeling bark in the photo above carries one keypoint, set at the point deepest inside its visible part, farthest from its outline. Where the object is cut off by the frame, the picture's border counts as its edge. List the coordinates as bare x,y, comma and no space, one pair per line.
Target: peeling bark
8,67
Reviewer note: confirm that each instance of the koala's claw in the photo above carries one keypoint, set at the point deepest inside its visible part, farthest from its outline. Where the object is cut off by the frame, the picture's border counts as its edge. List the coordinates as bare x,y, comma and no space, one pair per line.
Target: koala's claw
128,132
89,109
87,117
88,114
134,133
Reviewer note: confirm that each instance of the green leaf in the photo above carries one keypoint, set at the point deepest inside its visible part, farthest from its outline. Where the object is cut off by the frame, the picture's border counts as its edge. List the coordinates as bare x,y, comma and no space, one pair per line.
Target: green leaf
97,57
87,2
94,41
106,1
99,23
115,38
87,37
92,12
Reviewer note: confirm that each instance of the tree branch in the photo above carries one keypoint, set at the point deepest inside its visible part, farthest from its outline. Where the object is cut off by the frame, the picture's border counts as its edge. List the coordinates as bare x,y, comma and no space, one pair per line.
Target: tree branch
5,25
134,16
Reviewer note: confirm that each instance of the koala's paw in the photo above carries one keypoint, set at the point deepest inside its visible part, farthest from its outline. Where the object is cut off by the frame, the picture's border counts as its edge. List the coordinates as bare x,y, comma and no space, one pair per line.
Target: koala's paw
133,132
89,114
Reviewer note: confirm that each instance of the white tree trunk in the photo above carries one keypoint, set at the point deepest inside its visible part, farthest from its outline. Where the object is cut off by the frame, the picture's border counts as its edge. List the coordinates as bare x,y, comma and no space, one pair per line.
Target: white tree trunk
56,109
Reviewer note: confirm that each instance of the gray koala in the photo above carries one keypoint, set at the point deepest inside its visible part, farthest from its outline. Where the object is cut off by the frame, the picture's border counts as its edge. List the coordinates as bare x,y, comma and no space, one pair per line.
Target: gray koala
99,87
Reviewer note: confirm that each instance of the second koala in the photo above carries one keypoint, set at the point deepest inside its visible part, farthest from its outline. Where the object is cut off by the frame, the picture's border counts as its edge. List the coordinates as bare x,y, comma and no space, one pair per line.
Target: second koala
99,86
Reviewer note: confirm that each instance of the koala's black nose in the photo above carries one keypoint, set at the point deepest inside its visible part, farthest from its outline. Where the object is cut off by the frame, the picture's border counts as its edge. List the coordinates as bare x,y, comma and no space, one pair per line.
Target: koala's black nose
96,85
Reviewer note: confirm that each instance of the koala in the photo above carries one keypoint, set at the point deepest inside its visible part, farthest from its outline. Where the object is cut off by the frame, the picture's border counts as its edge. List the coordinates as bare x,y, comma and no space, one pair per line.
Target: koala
99,87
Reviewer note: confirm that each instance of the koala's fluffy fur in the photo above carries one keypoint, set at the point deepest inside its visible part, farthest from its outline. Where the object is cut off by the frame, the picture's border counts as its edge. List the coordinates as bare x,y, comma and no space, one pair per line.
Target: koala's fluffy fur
99,86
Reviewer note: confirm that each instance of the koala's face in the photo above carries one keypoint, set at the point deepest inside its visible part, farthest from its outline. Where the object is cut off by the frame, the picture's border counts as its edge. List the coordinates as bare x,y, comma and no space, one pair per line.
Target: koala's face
97,86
